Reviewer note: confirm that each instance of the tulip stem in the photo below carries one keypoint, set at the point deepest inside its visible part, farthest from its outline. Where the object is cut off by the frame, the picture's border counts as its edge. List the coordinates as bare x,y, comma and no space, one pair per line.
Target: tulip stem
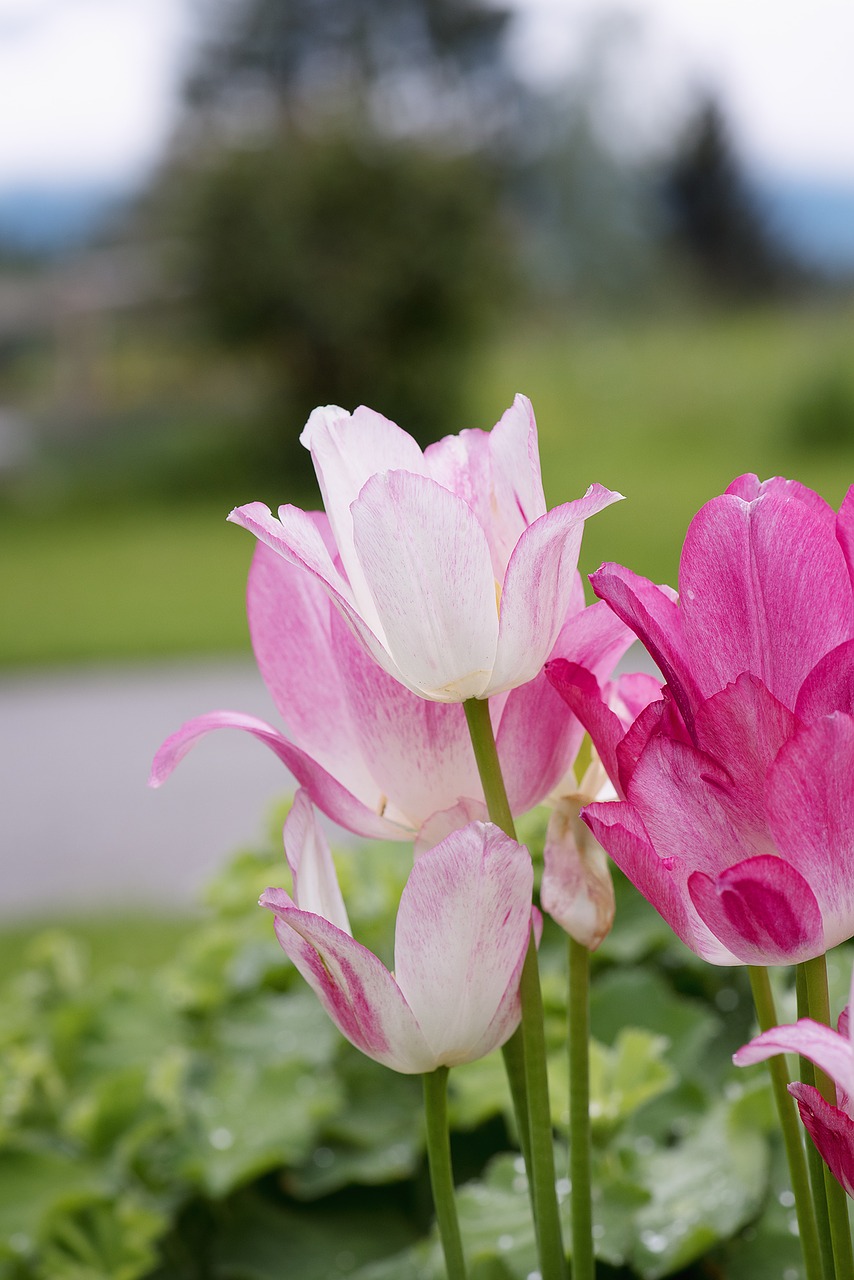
540,1147
814,1161
441,1175
766,1013
583,1262
814,982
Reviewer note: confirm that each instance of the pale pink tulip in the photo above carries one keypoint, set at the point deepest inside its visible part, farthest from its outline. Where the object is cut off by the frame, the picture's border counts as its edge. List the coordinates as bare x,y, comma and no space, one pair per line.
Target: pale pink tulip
445,564
736,811
831,1128
374,757
462,932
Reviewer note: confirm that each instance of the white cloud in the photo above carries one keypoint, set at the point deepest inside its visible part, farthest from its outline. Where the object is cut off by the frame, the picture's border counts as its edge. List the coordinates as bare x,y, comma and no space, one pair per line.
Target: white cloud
87,87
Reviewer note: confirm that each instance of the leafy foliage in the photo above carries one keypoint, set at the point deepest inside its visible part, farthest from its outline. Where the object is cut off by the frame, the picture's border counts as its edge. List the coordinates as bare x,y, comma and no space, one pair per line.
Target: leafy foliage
207,1121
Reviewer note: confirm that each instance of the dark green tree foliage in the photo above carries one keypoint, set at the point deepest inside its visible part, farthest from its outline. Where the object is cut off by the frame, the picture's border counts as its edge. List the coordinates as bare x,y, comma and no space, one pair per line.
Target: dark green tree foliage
713,217
341,197
362,273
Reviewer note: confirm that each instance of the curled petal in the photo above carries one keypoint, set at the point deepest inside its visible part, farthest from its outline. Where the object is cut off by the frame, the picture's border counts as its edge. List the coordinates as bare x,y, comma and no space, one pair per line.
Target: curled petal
829,686
580,691
827,1049
831,1130
538,588
762,910
328,794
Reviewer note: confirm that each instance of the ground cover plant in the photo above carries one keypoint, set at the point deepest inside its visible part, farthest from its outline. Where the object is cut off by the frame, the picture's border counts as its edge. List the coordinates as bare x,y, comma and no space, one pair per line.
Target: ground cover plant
204,1119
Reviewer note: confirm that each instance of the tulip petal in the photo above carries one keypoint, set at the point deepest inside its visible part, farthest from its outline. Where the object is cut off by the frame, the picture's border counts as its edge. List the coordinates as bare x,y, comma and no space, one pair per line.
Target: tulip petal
354,987
830,685
744,726
749,487
327,793
764,588
576,889
620,831
654,616
845,531
580,690
538,588
418,753
827,1049
462,933
762,910
427,564
347,449
831,1130
810,804
291,620
296,537
316,887
442,824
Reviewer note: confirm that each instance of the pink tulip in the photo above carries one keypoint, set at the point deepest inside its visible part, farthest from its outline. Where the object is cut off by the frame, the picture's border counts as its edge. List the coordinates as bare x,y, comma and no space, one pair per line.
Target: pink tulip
736,811
375,757
831,1128
462,931
445,564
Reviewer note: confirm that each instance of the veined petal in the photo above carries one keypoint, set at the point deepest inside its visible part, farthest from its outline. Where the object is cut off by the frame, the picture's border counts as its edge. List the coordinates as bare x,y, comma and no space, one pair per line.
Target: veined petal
442,824
328,794
347,449
296,537
620,831
654,616
316,887
845,531
516,459
580,690
764,588
291,620
829,686
417,752
354,987
427,564
762,910
538,588
810,803
827,1049
832,1131
462,932
749,487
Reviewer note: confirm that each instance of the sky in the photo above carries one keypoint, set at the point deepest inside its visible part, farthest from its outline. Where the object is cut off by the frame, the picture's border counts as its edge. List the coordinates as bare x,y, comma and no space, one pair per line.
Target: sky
89,88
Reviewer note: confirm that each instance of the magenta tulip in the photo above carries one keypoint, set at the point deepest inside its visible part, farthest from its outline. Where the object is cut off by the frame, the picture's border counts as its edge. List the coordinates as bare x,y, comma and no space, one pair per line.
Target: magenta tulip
736,811
831,1128
375,757
462,932
445,564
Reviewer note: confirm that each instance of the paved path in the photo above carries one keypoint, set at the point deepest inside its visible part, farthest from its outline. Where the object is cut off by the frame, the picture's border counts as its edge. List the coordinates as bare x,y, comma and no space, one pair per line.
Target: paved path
80,830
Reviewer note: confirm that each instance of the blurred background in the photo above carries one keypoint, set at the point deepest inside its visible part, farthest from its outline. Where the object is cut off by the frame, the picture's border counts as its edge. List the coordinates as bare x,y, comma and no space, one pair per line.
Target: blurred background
216,214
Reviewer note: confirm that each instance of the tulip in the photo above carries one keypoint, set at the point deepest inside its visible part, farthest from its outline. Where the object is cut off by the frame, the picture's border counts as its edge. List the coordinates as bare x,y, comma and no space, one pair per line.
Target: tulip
831,1128
375,757
735,815
445,564
461,936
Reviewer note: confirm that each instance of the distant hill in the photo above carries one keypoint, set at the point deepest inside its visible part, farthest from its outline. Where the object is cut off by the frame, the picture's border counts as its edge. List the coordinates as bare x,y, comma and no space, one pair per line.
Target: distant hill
53,219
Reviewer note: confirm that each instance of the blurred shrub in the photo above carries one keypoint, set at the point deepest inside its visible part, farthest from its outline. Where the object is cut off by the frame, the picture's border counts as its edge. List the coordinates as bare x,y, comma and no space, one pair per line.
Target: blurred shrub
360,273
821,415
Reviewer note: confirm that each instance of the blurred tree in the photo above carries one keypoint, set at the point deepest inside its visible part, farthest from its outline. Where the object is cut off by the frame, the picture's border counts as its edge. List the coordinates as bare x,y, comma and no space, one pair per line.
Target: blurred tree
337,184
713,217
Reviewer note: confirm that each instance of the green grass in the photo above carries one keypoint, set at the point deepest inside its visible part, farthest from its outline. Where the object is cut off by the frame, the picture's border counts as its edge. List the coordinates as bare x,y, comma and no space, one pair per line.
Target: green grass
668,412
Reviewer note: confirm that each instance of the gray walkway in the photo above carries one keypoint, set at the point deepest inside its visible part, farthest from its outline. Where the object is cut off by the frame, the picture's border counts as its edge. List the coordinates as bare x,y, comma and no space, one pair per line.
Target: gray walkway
80,830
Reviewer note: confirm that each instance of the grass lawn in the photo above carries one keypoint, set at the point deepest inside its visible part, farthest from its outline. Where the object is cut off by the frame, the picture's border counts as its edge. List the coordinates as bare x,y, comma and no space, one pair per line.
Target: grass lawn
666,412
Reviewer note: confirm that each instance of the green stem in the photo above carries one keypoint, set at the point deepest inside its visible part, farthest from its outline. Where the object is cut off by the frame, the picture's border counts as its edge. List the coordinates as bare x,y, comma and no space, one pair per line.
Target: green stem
583,1263
818,1008
441,1176
541,1163
790,1126
513,1052
815,1164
